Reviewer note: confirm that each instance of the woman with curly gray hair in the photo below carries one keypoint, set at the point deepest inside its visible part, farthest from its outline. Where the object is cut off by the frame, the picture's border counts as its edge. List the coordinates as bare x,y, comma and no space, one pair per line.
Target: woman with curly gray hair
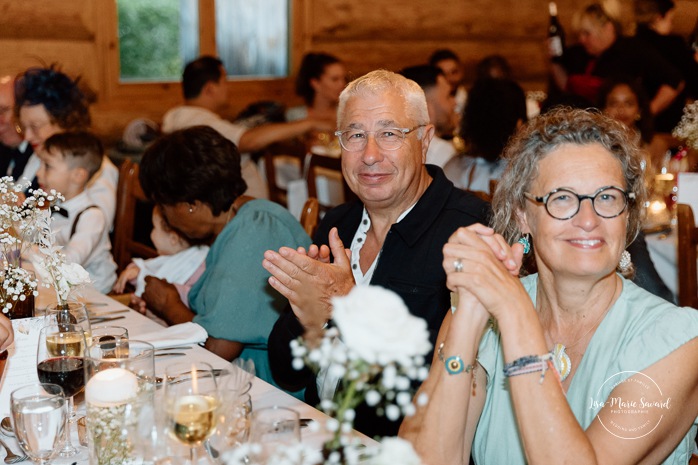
580,364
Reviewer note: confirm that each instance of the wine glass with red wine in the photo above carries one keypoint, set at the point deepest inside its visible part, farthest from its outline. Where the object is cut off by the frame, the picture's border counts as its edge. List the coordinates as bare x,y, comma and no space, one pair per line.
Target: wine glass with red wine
59,360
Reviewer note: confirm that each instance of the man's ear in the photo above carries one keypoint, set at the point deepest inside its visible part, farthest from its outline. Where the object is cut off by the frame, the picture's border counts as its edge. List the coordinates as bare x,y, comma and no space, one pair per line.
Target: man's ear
429,132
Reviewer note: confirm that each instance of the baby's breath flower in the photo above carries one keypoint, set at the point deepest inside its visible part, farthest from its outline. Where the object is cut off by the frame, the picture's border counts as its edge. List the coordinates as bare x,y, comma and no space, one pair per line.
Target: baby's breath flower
687,128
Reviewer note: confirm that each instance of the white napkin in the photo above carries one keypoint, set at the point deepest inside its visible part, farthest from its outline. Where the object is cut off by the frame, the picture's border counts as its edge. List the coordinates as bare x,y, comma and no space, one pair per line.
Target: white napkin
181,334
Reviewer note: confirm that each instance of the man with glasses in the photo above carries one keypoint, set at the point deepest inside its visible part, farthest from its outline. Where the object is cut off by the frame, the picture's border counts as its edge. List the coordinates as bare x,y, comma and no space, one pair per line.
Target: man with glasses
395,232
14,150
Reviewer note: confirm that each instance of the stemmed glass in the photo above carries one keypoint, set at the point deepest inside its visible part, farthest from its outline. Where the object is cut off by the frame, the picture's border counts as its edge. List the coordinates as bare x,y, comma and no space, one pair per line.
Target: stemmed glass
59,360
274,428
73,313
191,403
39,418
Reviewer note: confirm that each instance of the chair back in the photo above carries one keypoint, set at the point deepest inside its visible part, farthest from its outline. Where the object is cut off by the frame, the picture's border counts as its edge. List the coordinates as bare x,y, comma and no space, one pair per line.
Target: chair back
129,199
310,216
687,233
287,157
330,168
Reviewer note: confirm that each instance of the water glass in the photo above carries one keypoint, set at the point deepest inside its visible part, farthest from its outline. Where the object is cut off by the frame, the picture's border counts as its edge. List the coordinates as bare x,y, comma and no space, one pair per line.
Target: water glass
73,313
275,428
39,417
107,337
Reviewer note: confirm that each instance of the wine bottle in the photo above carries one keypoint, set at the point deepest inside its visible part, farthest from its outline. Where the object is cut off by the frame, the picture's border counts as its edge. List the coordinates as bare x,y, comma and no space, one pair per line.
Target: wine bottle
556,35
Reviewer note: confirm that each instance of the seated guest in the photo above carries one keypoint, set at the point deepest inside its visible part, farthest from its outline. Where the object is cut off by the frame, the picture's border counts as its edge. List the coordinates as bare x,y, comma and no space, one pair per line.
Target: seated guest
449,63
68,161
494,111
570,343
7,334
205,88
48,102
178,262
321,78
406,210
441,105
14,150
194,176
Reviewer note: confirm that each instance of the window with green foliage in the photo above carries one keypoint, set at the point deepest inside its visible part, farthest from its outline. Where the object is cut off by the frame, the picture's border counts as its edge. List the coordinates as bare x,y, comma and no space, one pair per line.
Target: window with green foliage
158,37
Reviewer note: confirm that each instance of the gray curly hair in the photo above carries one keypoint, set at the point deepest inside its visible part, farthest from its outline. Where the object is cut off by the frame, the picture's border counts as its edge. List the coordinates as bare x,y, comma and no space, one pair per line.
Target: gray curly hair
544,134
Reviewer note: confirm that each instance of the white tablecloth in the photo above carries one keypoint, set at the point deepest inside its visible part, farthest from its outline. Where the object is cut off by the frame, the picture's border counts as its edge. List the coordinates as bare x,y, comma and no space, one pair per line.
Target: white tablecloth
262,393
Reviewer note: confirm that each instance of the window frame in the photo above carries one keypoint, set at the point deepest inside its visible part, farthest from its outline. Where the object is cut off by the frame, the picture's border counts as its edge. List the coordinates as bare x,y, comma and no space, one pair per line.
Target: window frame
169,92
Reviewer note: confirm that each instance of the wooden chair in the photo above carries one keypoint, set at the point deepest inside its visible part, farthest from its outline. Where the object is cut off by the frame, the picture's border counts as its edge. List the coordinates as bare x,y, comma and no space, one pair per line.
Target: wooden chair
329,167
129,197
289,153
482,195
686,254
310,216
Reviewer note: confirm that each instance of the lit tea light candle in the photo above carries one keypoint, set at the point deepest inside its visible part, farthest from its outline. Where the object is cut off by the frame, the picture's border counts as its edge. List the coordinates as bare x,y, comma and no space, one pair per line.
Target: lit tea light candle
111,387
657,206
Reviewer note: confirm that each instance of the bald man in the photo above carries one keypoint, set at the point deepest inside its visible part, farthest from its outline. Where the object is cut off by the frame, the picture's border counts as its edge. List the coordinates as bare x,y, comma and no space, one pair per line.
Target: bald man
14,150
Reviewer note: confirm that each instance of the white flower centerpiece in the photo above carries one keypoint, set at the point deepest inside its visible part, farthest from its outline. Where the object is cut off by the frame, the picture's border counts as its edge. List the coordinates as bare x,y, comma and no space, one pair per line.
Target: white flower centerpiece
376,353
687,129
21,220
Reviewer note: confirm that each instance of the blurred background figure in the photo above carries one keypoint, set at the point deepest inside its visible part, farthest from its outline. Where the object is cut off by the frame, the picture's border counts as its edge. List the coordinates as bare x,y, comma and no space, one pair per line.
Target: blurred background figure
321,78
441,105
449,63
495,109
604,53
654,26
14,150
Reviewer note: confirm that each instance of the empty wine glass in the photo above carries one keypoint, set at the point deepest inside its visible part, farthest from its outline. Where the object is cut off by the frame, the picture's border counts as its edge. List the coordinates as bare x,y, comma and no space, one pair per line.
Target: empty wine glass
39,416
274,428
112,341
59,360
191,403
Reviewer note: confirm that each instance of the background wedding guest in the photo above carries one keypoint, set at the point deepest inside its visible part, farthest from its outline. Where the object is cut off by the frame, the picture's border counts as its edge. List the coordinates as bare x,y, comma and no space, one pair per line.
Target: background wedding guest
441,105
321,78
603,53
654,26
14,150
49,102
495,109
68,161
205,89
406,210
449,62
570,339
7,334
194,176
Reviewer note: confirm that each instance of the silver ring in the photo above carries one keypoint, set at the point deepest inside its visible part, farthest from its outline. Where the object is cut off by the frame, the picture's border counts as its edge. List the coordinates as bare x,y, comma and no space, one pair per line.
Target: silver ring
458,266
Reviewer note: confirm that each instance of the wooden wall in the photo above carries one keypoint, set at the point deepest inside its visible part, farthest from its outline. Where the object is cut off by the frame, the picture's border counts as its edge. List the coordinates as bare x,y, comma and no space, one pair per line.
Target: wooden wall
80,36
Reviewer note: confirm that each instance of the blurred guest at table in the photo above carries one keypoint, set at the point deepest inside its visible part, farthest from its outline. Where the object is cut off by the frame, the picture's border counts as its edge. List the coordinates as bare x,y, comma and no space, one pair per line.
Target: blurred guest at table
14,150
49,102
448,62
441,106
494,67
194,176
178,262
321,78
7,334
205,89
68,161
654,25
603,53
571,342
406,209
495,109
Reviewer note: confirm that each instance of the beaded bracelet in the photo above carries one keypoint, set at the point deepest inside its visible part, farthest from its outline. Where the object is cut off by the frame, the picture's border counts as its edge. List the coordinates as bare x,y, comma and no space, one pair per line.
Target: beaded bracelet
454,365
529,364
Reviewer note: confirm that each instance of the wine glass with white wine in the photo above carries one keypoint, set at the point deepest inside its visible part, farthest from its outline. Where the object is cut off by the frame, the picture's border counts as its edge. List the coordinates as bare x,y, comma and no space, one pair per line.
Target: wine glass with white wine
191,404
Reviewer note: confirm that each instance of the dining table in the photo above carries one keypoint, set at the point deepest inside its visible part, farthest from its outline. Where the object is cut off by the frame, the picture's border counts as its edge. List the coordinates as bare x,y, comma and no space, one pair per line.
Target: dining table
262,393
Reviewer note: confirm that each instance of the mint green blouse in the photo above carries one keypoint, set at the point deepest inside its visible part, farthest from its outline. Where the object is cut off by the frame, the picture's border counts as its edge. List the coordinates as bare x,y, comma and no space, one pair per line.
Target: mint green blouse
639,330
232,299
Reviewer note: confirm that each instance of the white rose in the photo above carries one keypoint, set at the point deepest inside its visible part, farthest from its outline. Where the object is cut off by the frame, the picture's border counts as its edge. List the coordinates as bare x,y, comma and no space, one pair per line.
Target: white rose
75,274
375,323
395,450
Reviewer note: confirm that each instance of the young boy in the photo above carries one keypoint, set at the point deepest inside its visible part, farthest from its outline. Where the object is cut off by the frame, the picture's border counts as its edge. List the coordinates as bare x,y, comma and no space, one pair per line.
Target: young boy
69,161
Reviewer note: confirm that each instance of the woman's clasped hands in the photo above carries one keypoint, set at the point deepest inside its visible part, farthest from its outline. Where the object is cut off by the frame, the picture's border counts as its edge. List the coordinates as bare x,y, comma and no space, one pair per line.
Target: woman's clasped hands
483,270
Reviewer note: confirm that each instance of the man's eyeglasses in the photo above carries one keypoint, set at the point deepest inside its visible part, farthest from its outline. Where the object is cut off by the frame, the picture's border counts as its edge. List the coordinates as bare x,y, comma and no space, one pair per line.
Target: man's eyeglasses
354,140
563,204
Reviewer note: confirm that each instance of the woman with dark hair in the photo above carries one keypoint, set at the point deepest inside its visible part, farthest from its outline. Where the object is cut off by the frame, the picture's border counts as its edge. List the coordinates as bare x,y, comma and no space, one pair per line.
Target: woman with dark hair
193,175
573,364
49,102
623,99
321,78
494,110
